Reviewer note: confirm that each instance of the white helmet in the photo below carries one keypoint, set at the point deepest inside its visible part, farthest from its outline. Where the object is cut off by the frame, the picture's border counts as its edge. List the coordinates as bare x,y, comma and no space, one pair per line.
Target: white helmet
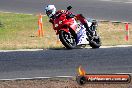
50,10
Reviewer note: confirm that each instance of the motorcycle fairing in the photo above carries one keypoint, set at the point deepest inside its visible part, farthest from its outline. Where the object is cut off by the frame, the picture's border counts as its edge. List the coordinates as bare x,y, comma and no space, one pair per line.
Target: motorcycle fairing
65,25
82,37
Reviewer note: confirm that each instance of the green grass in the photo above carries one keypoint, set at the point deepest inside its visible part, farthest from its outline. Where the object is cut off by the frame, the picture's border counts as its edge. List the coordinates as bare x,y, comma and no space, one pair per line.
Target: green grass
19,31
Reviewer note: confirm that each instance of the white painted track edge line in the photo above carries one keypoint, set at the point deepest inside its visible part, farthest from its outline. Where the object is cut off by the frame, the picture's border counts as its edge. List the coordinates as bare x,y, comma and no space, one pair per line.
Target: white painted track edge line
20,13
21,50
46,49
35,78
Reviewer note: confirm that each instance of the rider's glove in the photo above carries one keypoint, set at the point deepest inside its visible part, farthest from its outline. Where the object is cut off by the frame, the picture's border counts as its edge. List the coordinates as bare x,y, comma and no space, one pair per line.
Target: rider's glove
51,21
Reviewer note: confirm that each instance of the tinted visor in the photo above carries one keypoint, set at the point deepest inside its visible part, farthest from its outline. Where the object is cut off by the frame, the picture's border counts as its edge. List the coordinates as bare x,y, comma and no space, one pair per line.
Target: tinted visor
48,12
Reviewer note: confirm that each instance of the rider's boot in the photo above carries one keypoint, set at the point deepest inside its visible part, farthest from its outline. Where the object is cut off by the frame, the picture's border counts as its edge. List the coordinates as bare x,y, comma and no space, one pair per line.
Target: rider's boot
88,31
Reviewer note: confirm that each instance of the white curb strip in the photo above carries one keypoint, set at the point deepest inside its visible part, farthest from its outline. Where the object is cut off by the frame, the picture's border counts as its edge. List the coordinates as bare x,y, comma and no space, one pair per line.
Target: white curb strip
118,46
21,50
35,78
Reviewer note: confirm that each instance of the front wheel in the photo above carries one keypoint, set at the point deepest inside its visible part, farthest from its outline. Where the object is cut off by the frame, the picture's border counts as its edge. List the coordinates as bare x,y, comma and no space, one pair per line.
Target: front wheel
67,39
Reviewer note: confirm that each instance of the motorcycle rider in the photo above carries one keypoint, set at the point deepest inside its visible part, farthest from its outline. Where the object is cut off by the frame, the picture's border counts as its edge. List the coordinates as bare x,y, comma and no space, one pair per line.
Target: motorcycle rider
51,12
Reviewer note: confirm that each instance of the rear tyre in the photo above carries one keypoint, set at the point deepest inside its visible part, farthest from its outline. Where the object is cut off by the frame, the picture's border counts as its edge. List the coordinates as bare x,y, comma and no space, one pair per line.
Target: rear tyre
67,39
95,42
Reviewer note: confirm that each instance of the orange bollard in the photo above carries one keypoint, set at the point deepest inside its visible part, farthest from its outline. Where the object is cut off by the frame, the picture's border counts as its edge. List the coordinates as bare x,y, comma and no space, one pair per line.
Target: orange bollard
127,32
40,26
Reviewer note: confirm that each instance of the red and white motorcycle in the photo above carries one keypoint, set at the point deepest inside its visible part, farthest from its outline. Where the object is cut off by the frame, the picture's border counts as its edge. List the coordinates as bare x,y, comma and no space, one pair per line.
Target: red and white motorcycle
72,33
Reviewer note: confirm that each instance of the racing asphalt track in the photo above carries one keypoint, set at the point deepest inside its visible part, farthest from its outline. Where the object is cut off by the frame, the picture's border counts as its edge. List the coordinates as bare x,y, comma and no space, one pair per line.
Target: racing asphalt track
26,64
62,62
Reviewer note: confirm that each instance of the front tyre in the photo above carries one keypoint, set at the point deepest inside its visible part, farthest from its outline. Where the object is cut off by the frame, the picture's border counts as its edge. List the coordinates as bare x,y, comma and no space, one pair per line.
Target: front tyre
67,39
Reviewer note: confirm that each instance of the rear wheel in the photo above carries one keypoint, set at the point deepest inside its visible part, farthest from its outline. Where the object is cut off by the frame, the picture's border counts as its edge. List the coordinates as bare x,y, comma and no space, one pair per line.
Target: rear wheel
95,42
67,39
